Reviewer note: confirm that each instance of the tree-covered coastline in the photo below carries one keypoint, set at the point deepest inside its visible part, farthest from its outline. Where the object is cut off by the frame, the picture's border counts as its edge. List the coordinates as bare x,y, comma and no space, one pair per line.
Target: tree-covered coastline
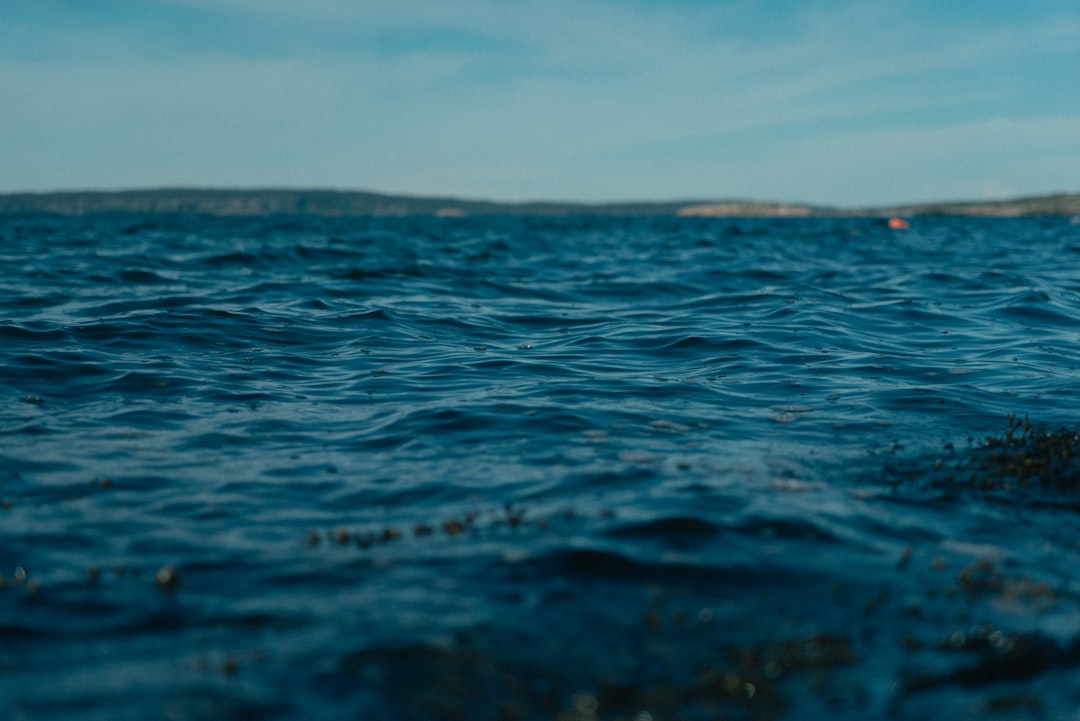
260,202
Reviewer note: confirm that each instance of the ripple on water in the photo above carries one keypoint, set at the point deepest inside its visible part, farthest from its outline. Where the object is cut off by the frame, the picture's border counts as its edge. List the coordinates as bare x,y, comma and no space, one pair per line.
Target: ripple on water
602,468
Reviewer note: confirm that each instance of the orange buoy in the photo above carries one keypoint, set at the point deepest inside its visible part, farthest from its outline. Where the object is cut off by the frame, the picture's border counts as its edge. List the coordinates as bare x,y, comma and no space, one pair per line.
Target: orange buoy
898,224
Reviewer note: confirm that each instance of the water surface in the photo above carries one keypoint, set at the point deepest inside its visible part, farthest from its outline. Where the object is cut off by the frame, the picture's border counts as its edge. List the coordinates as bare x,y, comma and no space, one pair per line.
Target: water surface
533,469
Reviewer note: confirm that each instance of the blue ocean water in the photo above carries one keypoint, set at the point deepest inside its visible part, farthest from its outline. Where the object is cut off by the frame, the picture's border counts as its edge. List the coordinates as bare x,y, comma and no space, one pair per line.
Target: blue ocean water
525,468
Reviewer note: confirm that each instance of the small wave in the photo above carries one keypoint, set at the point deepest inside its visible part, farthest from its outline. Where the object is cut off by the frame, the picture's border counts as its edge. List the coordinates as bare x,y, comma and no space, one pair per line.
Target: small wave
693,457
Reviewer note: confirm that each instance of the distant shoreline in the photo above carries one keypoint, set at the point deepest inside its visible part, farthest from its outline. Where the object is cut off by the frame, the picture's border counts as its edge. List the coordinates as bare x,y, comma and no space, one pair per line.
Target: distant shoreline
337,203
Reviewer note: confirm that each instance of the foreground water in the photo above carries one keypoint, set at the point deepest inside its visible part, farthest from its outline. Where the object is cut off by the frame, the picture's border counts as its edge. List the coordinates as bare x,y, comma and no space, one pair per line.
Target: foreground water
534,469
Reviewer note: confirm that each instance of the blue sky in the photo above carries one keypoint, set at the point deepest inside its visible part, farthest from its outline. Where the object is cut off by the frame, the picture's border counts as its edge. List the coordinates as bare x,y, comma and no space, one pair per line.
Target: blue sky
839,102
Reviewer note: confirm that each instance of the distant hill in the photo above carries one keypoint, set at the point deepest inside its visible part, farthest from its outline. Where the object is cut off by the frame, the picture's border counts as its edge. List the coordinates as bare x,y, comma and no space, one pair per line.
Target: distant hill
1059,204
258,202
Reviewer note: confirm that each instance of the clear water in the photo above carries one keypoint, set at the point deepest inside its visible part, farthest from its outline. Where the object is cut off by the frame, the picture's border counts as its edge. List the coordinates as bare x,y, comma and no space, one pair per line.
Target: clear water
532,469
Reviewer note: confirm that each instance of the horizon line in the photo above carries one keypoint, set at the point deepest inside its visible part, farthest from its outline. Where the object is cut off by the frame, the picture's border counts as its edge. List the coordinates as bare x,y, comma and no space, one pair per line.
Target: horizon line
543,201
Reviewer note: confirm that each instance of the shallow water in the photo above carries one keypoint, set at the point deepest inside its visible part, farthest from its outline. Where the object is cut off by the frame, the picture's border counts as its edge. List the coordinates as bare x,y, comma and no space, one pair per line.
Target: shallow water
523,468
